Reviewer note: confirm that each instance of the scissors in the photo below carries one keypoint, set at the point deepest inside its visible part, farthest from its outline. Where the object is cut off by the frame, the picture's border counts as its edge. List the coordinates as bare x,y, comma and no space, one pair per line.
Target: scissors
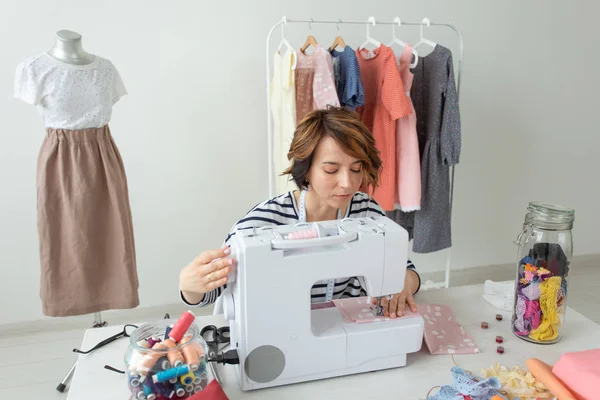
213,337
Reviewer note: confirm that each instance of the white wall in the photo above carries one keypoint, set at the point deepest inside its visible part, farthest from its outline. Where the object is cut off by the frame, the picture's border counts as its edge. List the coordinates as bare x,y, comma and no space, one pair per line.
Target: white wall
192,129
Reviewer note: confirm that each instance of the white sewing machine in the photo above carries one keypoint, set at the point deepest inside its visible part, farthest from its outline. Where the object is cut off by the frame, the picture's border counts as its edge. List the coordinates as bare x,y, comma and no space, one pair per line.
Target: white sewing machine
279,339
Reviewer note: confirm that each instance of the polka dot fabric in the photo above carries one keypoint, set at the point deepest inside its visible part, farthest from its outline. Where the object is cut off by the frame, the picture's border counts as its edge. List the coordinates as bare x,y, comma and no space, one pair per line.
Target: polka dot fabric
323,84
443,334
385,102
69,96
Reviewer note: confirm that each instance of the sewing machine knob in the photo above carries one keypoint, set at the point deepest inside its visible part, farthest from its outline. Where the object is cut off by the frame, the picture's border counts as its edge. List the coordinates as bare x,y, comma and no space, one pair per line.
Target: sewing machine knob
228,305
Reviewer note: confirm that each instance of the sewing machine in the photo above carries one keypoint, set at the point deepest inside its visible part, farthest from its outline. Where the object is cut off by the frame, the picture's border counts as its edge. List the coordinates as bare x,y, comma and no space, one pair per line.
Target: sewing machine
279,339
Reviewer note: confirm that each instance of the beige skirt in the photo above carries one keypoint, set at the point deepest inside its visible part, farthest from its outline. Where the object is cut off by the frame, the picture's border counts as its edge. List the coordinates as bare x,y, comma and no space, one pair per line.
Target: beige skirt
87,249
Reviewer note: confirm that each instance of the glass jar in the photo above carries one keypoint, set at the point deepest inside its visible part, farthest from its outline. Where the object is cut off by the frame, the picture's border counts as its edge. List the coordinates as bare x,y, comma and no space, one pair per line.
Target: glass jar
156,365
544,258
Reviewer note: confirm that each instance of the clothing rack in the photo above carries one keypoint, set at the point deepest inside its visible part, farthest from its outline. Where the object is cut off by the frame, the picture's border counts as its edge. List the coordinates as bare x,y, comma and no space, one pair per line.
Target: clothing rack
371,21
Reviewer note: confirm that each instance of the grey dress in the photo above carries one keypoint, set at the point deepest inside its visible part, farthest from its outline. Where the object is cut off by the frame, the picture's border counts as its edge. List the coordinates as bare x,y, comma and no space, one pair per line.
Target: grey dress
435,99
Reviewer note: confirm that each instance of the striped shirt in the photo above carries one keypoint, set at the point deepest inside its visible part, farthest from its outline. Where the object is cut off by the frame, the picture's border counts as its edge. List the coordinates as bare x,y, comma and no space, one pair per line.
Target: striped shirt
283,210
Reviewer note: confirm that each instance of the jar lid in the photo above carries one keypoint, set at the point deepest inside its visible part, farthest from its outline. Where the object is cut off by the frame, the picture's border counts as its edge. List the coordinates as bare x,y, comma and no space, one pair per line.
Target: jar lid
550,214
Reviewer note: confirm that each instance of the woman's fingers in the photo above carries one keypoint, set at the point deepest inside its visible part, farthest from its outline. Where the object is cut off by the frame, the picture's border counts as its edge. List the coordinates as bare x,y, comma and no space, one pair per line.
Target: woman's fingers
210,255
411,302
215,284
218,273
394,306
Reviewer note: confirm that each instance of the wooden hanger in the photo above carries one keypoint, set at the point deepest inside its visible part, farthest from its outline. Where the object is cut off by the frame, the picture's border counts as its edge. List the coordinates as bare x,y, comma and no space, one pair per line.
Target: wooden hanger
337,42
310,41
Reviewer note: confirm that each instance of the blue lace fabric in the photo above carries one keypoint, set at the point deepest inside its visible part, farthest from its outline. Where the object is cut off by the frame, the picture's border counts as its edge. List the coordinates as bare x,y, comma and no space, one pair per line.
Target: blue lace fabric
465,384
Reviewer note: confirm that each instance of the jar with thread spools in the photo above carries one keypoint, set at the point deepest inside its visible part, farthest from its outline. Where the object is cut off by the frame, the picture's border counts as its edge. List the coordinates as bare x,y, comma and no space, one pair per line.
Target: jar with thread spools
545,250
159,364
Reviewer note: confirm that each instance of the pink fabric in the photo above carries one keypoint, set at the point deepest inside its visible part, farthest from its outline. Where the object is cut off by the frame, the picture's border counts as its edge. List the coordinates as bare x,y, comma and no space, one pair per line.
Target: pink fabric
358,309
408,191
443,334
580,371
321,61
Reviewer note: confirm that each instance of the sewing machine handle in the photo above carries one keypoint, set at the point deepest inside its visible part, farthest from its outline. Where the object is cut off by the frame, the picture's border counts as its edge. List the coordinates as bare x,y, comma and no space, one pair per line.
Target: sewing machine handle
283,244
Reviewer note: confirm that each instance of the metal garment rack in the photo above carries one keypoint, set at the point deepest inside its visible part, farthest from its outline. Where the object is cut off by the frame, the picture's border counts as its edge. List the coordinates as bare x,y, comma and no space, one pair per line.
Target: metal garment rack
371,21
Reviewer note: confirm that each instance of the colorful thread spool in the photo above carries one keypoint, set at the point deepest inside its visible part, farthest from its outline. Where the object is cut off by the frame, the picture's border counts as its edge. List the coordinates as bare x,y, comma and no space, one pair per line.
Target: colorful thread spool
150,359
175,357
181,326
179,389
190,354
168,330
149,391
304,234
138,393
189,389
204,379
164,376
153,340
198,389
134,380
187,379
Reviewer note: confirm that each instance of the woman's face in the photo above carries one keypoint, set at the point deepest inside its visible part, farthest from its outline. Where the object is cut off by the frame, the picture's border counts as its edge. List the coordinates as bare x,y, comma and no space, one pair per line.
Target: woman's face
334,175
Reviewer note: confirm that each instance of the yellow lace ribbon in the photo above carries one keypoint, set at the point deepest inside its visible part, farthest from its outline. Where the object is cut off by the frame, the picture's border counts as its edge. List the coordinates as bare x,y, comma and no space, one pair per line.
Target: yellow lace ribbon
517,383
548,328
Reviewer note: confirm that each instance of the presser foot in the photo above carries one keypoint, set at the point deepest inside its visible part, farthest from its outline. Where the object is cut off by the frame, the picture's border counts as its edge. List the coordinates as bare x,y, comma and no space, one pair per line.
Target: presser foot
377,309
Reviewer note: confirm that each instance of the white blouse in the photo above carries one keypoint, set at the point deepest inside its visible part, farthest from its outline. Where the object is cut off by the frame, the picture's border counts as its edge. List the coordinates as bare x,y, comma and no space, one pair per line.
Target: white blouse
69,96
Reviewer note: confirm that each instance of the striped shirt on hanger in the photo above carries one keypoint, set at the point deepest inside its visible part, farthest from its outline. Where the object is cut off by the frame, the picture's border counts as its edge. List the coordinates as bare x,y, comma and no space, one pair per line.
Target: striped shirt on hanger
282,210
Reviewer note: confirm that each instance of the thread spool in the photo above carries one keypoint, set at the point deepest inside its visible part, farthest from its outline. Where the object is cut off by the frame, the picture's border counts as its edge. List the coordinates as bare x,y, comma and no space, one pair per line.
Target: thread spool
149,391
198,389
138,393
189,389
174,355
204,379
168,330
303,234
153,340
190,354
197,380
165,364
151,358
179,389
187,379
164,376
181,326
134,380
200,350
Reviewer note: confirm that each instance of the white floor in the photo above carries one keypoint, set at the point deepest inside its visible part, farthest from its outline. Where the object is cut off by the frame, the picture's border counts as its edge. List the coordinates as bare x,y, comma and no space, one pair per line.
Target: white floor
35,357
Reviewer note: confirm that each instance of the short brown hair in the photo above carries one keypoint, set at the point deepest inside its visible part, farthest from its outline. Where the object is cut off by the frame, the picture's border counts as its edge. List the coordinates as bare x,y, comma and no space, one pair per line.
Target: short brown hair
345,127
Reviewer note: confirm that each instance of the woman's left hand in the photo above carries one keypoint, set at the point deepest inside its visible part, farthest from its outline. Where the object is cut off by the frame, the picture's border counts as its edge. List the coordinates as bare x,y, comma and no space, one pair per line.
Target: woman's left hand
396,305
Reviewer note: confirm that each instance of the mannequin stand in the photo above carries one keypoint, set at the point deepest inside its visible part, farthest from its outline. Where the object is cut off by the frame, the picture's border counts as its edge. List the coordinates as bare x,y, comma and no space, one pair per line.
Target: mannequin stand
98,323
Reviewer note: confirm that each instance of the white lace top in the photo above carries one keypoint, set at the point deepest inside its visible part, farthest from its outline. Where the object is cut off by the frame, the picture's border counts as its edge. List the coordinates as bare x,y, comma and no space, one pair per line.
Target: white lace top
69,96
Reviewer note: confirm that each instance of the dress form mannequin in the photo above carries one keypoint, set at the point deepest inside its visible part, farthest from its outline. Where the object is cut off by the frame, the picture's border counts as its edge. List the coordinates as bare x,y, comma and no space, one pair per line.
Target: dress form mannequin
68,49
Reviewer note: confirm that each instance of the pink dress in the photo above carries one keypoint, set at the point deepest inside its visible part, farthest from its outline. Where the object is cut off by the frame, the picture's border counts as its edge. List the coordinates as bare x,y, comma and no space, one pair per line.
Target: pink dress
408,164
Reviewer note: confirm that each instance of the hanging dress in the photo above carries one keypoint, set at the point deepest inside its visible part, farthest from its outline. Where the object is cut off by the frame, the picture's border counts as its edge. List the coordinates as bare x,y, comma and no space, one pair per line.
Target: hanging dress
408,188
283,109
384,102
315,84
86,241
439,131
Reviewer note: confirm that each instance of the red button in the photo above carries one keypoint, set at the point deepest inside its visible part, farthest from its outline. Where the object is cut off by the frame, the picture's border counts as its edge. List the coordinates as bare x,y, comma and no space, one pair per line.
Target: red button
500,350
484,325
499,339
498,317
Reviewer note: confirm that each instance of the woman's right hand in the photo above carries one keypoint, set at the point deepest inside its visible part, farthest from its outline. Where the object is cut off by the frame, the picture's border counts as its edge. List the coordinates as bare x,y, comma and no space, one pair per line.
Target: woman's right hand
207,272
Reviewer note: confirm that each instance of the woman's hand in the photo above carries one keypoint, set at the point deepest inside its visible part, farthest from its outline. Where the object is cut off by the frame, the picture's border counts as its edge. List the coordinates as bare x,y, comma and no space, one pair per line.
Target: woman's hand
396,305
207,272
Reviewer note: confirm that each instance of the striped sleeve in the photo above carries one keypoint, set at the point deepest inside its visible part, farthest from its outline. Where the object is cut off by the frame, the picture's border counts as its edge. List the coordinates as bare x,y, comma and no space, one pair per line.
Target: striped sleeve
279,210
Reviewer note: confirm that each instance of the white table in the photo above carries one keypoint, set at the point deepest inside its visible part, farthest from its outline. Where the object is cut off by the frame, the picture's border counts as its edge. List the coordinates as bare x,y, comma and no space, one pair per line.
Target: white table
423,371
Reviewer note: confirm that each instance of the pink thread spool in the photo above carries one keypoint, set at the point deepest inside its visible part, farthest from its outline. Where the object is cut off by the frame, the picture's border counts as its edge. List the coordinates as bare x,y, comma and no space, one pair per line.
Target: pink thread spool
181,326
304,234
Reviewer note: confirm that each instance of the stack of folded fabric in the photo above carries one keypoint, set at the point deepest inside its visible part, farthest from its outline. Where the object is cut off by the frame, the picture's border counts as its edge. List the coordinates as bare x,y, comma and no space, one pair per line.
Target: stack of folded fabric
499,294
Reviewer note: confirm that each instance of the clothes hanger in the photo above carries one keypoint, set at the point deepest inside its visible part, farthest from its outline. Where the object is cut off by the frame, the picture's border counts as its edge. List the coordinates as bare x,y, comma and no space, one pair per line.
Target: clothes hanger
395,40
310,40
285,42
422,40
374,42
338,40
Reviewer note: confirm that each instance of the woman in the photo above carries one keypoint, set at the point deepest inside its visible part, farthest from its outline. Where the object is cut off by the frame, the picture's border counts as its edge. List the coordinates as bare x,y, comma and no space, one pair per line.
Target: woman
333,156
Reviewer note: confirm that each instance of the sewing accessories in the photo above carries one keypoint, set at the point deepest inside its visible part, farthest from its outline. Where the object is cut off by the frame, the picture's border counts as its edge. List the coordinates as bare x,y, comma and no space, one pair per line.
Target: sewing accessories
214,337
